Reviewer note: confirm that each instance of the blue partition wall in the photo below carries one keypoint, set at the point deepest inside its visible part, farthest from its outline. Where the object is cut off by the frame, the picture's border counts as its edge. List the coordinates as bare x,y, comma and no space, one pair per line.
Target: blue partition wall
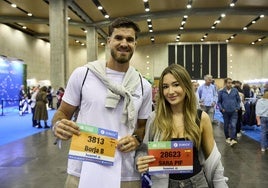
11,78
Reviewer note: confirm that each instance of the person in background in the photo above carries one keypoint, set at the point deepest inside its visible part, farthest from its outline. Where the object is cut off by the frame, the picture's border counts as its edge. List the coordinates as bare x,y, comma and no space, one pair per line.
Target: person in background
208,97
33,104
247,91
113,96
50,97
196,85
23,103
59,95
41,108
229,104
262,119
176,118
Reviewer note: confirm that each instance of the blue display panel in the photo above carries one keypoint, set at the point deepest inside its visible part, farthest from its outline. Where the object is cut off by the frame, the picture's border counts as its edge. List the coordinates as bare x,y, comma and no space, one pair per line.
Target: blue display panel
11,78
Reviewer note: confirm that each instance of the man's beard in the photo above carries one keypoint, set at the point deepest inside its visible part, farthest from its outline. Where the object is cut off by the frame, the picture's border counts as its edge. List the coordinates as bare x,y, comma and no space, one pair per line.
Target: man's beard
121,59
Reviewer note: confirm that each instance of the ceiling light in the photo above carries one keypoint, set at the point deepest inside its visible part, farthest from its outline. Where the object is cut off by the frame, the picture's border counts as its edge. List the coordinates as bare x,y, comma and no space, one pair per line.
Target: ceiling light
147,9
213,27
253,22
232,5
181,28
149,20
259,39
261,16
29,14
245,28
227,40
150,30
106,16
202,39
253,43
13,5
24,27
189,6
100,7
145,0
185,16
223,15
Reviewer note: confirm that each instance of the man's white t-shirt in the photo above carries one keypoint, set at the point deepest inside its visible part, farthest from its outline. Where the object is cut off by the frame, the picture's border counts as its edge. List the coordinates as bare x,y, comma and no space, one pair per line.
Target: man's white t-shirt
93,112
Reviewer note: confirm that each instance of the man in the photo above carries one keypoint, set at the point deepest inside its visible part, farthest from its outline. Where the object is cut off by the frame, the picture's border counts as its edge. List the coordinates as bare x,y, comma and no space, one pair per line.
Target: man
229,104
115,97
208,97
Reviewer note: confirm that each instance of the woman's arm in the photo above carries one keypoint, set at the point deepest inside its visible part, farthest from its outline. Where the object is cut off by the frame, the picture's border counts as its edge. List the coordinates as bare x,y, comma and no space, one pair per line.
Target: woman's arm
207,138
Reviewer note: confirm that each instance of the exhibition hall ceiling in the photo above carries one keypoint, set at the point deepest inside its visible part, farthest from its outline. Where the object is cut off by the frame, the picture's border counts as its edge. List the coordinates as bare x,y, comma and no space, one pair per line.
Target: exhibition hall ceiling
161,21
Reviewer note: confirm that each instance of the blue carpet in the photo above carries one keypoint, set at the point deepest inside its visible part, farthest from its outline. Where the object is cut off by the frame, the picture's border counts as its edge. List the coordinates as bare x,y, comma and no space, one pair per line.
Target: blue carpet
14,127
252,132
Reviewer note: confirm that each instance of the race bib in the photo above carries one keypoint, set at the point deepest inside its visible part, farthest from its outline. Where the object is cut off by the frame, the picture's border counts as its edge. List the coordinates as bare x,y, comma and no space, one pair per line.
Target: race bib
94,144
172,157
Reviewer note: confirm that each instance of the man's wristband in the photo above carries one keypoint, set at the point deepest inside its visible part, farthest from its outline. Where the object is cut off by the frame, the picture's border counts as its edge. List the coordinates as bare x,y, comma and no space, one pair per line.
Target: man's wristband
55,125
137,138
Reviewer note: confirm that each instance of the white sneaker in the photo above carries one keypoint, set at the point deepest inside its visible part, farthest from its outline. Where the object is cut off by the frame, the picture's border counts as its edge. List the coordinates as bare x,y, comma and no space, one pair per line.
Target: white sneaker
228,140
233,142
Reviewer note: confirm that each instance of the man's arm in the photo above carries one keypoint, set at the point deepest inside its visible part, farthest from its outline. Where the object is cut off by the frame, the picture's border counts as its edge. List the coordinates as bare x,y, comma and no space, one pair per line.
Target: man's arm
63,127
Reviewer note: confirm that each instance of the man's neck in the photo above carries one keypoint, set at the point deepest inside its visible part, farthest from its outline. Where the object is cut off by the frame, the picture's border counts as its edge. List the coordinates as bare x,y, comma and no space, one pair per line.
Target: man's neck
120,67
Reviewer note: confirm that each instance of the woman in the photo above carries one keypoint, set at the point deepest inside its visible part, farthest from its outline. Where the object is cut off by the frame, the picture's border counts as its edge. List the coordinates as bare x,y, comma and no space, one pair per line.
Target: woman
175,118
262,119
41,108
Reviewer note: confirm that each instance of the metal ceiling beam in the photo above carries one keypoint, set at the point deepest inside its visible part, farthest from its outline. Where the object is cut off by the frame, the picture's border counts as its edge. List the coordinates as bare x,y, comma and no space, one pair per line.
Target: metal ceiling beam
83,15
194,11
143,16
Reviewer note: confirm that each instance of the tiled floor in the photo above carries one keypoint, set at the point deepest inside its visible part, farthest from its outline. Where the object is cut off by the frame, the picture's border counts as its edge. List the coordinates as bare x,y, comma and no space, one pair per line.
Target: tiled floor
34,162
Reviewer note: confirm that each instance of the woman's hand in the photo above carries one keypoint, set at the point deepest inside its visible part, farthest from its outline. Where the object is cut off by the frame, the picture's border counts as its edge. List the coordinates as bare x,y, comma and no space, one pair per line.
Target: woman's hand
143,163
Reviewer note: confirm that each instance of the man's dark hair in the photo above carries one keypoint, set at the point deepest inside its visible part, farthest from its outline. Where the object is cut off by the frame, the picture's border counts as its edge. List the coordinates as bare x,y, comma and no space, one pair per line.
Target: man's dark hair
226,80
123,22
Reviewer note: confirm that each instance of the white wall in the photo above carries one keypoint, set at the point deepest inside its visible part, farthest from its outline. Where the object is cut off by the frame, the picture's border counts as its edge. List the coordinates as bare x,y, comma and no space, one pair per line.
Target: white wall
34,52
247,61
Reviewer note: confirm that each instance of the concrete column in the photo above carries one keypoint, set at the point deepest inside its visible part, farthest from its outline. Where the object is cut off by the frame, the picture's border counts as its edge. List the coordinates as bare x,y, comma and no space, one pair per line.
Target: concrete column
58,35
92,44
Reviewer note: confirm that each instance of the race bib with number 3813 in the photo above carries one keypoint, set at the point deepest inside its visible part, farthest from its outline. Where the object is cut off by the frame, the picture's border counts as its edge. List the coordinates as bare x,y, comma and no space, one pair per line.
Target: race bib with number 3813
94,145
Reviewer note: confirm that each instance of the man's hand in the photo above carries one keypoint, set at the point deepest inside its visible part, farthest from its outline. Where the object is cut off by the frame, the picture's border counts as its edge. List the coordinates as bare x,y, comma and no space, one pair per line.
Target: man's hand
64,129
128,143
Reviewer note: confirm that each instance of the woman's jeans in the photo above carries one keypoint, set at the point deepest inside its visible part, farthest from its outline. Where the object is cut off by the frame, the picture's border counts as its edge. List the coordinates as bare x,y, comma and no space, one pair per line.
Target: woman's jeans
264,132
198,181
230,120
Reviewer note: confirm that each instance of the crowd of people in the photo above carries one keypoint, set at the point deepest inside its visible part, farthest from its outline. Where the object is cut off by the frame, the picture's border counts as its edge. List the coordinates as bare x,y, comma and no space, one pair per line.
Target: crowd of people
237,103
36,101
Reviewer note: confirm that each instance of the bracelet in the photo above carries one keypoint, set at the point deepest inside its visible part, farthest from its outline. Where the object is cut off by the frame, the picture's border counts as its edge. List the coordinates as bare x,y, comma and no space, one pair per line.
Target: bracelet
137,138
55,125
